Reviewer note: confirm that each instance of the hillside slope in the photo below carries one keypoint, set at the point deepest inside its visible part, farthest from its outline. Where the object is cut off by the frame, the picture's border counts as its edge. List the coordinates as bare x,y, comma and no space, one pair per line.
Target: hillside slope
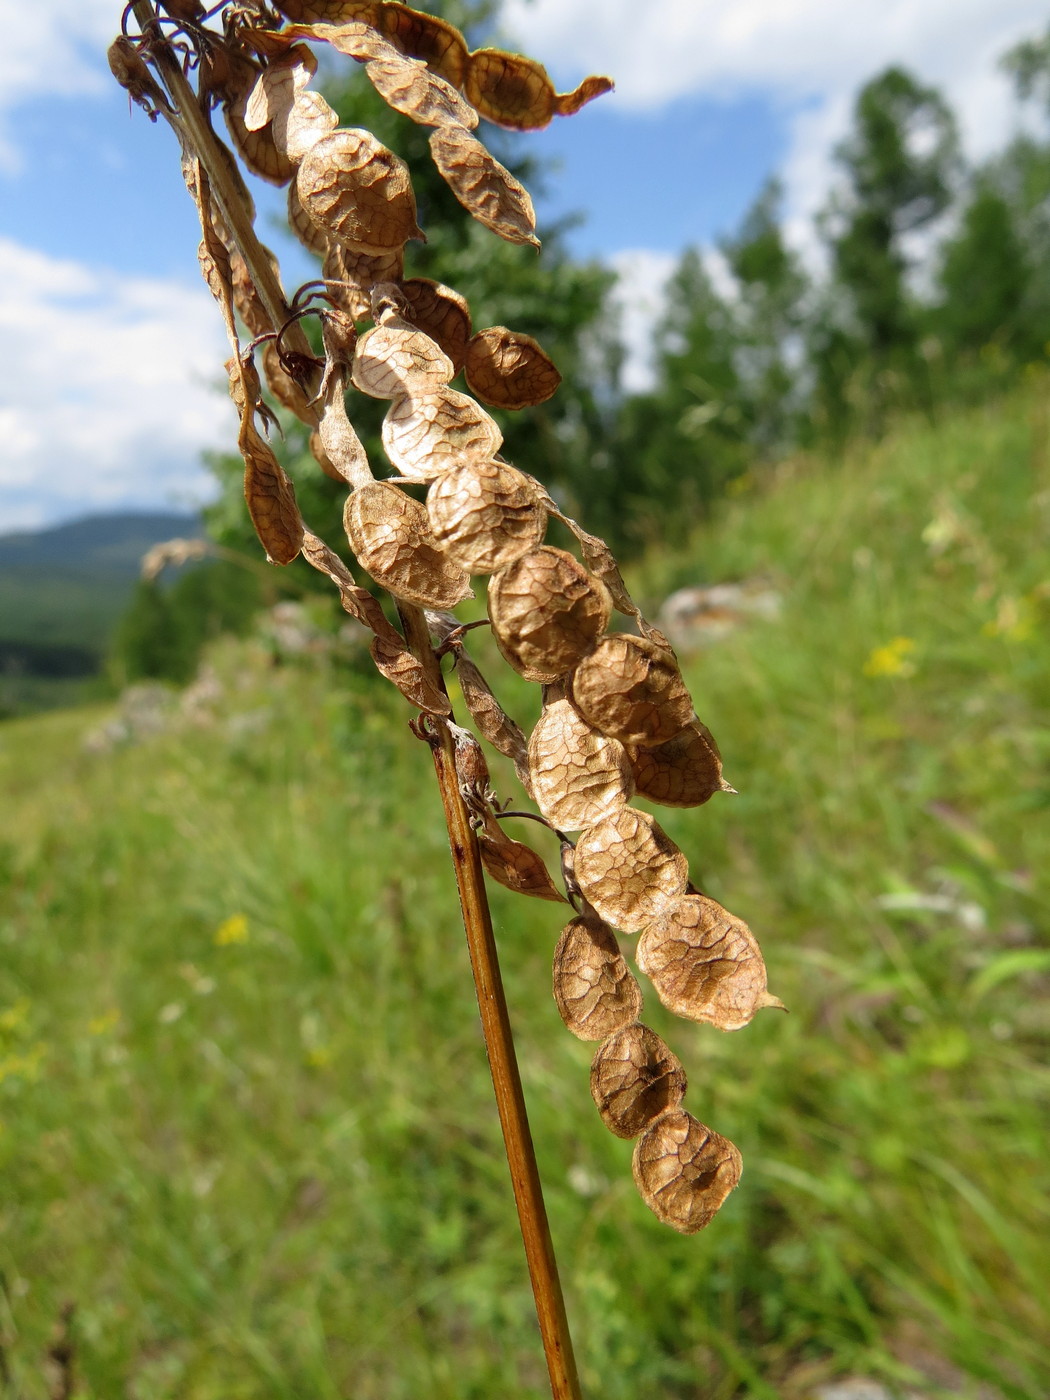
247,1125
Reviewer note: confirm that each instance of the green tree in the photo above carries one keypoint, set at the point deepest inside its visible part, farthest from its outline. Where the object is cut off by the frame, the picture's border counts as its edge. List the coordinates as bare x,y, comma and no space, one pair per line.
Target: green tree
985,280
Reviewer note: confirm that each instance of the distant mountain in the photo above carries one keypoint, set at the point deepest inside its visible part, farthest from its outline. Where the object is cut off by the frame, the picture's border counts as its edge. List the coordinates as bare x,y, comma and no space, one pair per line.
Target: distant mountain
96,546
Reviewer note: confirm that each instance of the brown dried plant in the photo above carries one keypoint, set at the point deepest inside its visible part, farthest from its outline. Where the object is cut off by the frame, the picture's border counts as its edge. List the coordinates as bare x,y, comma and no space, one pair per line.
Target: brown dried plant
617,719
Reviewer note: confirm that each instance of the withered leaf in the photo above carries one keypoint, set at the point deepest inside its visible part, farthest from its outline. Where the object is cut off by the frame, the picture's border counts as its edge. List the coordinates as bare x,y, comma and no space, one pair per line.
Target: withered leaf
439,44
396,358
442,313
632,689
484,515
426,434
635,1078
629,869
547,613
258,149
390,535
578,775
683,772
516,92
515,865
593,986
509,370
486,189
358,191
271,503
684,1171
494,724
705,963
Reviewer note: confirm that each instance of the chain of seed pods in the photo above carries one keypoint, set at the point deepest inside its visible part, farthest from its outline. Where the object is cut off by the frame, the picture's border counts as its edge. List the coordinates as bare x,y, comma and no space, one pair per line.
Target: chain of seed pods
617,720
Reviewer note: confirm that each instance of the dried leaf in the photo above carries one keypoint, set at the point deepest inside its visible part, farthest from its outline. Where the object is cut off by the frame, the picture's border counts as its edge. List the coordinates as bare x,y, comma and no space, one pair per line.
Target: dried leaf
629,869
547,613
425,435
705,963
634,1079
632,689
442,313
492,721
516,92
684,1171
396,662
484,515
578,775
257,149
391,537
683,772
358,191
593,986
271,503
515,865
509,370
396,359
439,44
486,189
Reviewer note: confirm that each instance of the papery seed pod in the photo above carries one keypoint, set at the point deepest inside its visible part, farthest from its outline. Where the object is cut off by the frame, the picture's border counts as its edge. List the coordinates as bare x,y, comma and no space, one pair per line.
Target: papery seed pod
547,612
705,963
486,189
396,359
323,460
578,775
442,313
635,1078
358,191
394,660
514,865
516,92
629,869
439,44
258,149
390,535
282,101
684,1171
426,434
341,446
328,11
493,722
426,98
246,298
683,772
593,986
509,370
362,271
632,689
309,234
271,503
484,515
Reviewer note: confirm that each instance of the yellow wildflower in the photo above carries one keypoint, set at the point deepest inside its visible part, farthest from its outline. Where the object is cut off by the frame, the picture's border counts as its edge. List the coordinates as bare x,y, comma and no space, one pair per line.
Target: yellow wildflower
232,930
892,659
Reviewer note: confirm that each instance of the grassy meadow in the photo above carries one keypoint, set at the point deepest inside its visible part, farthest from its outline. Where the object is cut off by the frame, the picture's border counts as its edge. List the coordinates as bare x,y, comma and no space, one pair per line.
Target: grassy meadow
246,1125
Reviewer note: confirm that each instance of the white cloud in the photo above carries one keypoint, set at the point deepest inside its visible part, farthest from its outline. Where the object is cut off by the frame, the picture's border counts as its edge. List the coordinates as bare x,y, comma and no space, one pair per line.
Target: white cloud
638,297
109,391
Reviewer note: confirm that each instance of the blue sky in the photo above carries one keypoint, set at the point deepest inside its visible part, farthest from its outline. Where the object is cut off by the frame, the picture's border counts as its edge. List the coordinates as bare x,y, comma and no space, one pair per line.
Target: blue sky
115,346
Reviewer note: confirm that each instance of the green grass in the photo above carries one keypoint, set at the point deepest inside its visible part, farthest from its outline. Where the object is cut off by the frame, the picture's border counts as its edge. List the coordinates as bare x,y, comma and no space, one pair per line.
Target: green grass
247,1123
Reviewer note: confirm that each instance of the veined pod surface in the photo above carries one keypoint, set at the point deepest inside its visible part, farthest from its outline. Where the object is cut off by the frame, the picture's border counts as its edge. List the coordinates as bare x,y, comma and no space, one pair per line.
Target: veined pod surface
358,191
632,689
635,1078
442,313
390,535
392,360
509,370
484,515
362,271
547,613
594,988
578,775
684,1171
484,187
629,869
258,149
439,44
705,963
683,772
328,11
426,434
309,234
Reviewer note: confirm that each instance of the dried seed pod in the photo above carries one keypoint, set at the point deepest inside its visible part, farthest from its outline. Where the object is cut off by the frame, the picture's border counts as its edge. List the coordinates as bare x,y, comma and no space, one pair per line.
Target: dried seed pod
284,388
442,313
395,359
427,434
409,87
342,449
705,963
593,986
578,775
509,370
514,865
632,689
684,1171
516,92
282,101
547,612
394,660
683,772
309,234
323,460
439,44
486,189
271,503
629,869
358,191
258,149
362,271
492,720
328,11
484,515
634,1079
390,535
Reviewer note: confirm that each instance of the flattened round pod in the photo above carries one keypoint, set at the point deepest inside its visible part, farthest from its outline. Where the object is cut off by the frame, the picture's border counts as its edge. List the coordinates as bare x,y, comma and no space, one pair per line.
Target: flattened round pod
442,313
309,234
426,434
632,689
390,535
578,775
629,869
705,963
684,1171
683,772
258,149
362,271
509,370
484,515
593,986
434,40
327,11
635,1078
509,89
547,612
358,191
391,361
